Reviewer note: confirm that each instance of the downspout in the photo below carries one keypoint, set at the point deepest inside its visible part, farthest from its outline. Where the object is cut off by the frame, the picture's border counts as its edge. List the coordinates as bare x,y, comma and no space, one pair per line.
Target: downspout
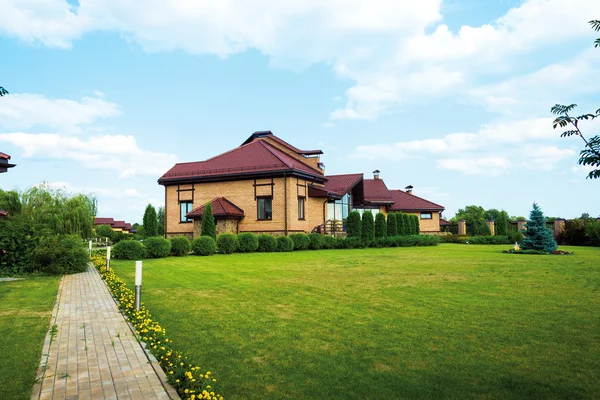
285,218
165,227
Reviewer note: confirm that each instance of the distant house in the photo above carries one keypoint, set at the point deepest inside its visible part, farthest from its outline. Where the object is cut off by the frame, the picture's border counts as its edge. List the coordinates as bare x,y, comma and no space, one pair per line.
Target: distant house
117,226
267,185
4,162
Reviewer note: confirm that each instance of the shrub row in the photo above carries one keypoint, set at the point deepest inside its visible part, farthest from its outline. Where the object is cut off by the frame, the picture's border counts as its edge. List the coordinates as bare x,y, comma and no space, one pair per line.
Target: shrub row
476,239
184,374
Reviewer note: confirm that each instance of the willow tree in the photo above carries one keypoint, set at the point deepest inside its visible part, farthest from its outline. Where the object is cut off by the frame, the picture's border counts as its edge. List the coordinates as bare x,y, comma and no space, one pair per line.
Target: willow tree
10,202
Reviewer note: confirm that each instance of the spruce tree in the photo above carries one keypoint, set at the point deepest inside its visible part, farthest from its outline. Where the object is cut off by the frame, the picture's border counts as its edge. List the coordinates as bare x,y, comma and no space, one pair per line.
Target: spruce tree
501,227
354,224
537,236
208,227
417,225
400,224
392,224
380,226
368,228
406,222
150,221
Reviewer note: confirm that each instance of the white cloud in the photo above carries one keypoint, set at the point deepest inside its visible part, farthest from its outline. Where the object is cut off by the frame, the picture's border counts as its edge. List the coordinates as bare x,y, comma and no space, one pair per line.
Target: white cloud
23,111
486,165
118,153
98,191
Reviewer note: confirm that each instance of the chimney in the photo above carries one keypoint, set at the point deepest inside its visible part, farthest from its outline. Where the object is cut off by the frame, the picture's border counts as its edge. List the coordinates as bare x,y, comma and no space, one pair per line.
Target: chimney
376,174
409,189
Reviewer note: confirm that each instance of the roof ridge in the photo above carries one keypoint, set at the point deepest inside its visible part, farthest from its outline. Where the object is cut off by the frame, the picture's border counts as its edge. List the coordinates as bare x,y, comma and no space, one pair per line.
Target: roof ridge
227,152
420,198
274,150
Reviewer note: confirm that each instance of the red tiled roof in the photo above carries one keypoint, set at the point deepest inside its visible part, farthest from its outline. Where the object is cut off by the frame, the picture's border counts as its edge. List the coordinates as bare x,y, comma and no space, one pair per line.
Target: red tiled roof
376,192
128,226
4,156
119,224
443,222
221,208
269,134
103,221
341,184
254,157
404,202
3,213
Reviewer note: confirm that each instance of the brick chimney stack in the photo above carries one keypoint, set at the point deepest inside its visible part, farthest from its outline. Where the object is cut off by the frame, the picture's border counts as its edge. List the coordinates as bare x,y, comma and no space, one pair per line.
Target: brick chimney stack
409,189
376,174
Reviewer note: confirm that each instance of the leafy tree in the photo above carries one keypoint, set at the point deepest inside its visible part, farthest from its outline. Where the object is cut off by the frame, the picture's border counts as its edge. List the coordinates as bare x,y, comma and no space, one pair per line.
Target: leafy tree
208,227
161,221
537,235
354,224
368,228
590,155
3,92
150,221
380,226
10,202
104,231
392,224
501,223
491,214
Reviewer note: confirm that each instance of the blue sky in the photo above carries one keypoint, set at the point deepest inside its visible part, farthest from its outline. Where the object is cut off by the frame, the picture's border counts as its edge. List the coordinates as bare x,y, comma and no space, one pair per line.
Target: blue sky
452,97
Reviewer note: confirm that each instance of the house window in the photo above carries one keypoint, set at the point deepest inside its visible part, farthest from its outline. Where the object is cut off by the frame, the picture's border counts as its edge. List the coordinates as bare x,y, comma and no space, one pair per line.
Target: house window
426,216
301,207
184,208
264,206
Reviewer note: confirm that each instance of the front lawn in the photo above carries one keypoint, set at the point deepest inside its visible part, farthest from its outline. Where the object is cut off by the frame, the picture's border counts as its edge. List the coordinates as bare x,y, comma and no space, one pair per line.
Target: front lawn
26,308
453,321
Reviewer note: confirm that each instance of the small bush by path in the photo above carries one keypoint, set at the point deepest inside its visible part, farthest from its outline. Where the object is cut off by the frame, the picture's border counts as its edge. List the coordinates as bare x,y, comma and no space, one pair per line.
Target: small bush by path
128,250
180,246
157,247
204,246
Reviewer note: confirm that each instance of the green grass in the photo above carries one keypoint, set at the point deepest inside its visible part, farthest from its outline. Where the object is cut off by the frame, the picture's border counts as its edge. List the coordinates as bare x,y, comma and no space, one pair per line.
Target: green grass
454,321
25,311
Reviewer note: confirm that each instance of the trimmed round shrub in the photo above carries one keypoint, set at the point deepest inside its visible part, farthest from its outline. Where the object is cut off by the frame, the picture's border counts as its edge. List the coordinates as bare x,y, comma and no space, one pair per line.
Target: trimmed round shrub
226,243
301,241
267,243
157,247
285,244
180,246
328,242
60,255
340,243
316,241
204,246
247,242
129,250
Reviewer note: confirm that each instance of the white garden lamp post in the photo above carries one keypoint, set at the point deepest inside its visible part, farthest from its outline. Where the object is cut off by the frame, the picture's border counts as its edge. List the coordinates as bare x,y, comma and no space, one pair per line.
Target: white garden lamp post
108,258
138,284
90,247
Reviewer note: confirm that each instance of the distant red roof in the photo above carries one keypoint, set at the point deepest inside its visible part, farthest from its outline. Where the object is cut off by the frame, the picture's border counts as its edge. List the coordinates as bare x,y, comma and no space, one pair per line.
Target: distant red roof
103,221
341,184
443,222
409,202
4,156
3,214
221,207
269,134
376,192
119,224
128,226
250,159
4,164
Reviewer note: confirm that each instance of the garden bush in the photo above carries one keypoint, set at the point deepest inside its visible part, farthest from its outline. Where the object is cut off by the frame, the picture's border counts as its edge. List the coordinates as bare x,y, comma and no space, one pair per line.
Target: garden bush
416,240
129,250
380,226
301,241
285,244
157,247
402,227
267,243
488,240
226,243
392,224
17,243
368,228
354,224
328,242
340,243
354,243
180,246
204,246
247,242
316,241
515,236
208,226
58,254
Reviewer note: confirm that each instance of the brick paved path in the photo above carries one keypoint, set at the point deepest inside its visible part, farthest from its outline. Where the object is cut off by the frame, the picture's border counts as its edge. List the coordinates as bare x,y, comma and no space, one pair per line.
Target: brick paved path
94,354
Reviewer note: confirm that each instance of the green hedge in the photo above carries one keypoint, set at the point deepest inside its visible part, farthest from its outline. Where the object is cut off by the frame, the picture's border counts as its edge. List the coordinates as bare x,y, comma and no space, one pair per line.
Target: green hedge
476,239
180,246
316,241
301,241
247,242
328,242
226,243
267,243
157,247
129,250
61,255
204,246
285,244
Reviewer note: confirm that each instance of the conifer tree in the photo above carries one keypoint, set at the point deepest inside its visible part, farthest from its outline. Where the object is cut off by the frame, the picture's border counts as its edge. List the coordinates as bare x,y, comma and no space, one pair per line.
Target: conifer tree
160,227
417,225
150,221
501,224
354,224
380,226
401,224
208,227
537,235
392,224
368,228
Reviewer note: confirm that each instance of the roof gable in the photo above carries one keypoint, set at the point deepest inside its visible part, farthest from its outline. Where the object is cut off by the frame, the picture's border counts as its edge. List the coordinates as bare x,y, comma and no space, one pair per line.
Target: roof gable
376,192
270,135
405,202
221,208
339,185
103,221
252,158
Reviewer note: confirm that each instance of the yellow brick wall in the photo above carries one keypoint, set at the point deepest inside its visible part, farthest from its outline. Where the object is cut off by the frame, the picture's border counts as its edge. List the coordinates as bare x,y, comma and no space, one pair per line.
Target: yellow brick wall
428,225
241,193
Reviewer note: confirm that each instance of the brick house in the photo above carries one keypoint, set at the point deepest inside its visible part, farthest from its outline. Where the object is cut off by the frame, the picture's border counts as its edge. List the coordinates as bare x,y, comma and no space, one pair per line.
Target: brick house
266,185
117,226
